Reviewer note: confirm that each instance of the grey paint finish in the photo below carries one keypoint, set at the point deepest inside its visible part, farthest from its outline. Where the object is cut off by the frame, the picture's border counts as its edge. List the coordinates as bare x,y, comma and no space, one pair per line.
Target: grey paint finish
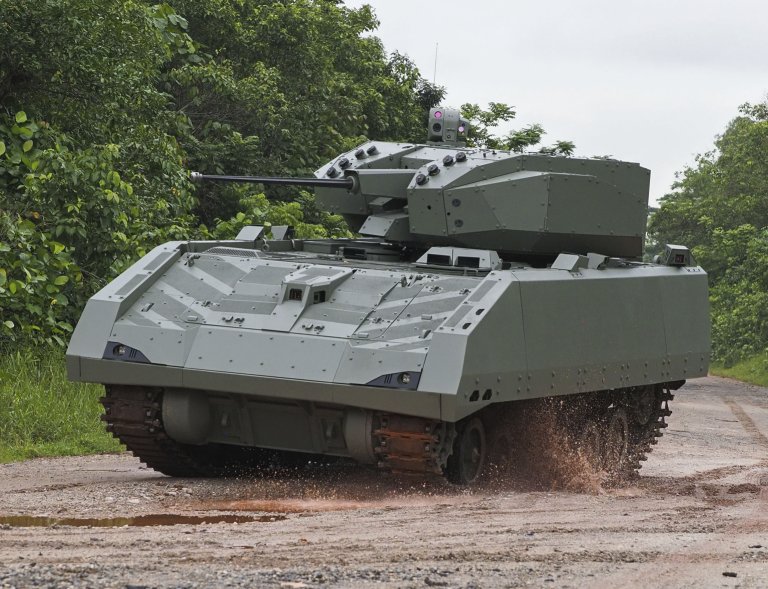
554,332
293,343
496,200
513,334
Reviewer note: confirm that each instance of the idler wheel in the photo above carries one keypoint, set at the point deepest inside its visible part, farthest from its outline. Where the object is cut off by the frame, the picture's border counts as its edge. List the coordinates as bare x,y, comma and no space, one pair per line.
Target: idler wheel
616,444
467,462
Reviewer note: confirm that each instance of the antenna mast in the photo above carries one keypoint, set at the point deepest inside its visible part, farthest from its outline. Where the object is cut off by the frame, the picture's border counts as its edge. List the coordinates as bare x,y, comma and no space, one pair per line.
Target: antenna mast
434,72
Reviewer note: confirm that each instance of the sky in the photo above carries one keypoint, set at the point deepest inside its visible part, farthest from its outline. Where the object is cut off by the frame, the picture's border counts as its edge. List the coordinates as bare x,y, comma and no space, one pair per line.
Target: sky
650,81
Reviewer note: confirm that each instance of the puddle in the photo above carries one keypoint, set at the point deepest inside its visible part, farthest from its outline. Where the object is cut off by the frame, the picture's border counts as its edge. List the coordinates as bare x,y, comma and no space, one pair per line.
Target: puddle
288,505
26,521
311,505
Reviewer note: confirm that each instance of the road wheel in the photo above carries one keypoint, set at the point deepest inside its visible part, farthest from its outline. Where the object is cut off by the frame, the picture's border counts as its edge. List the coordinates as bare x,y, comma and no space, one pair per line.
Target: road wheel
616,441
467,462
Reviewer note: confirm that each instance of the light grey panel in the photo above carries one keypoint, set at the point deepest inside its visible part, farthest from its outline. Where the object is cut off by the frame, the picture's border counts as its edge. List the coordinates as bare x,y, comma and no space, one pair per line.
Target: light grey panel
520,205
511,202
361,364
391,226
494,359
180,279
607,213
209,267
232,305
383,182
592,329
93,329
161,345
446,362
267,274
426,211
280,389
365,289
684,301
379,320
305,357
159,306
132,373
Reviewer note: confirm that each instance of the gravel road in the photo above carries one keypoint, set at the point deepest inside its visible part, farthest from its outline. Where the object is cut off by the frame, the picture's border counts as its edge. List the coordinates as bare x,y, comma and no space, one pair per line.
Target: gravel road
696,517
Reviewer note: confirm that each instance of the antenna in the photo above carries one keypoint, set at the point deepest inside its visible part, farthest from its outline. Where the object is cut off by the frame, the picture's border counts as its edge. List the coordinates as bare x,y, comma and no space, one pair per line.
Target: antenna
434,72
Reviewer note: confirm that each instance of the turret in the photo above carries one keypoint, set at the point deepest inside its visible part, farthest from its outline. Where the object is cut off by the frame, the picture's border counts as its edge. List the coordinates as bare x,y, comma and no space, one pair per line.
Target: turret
445,194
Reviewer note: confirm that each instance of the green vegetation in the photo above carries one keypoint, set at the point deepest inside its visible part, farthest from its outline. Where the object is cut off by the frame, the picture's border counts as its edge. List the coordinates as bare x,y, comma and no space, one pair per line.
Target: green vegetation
105,107
753,370
719,208
43,414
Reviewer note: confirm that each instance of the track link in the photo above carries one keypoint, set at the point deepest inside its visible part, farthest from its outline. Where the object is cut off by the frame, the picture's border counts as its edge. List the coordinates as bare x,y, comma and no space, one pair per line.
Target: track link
413,445
644,436
643,410
134,416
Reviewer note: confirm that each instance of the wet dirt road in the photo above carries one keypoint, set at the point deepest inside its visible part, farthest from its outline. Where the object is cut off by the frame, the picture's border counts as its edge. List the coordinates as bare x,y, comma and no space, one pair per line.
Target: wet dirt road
697,517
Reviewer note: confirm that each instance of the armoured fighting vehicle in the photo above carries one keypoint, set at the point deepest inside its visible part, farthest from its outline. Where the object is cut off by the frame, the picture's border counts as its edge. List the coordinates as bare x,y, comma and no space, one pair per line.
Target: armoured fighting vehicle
482,283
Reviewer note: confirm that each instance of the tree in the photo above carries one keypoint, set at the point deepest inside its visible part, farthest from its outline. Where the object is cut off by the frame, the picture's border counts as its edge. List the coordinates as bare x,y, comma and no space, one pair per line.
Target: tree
91,174
105,105
287,87
719,208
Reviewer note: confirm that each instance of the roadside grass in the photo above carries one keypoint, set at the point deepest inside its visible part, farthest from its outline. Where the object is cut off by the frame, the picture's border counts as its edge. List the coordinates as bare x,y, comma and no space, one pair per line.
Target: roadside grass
753,370
43,414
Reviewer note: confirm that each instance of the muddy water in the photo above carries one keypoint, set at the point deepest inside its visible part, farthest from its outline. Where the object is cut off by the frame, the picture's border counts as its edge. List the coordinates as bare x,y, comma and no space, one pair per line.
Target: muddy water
26,521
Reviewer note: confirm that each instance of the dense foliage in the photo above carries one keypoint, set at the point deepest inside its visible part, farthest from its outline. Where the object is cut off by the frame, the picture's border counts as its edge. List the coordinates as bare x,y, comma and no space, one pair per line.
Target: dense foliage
106,104
720,208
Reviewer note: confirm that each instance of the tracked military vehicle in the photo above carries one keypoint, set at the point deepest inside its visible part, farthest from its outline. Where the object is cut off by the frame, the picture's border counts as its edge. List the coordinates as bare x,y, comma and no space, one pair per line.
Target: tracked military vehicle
482,282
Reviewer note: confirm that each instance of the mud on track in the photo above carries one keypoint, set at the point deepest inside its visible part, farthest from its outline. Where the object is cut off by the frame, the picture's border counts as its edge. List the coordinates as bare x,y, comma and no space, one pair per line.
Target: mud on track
699,510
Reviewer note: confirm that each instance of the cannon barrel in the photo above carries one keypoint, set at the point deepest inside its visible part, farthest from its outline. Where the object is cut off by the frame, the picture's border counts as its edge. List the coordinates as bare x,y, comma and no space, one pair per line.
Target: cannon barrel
345,183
